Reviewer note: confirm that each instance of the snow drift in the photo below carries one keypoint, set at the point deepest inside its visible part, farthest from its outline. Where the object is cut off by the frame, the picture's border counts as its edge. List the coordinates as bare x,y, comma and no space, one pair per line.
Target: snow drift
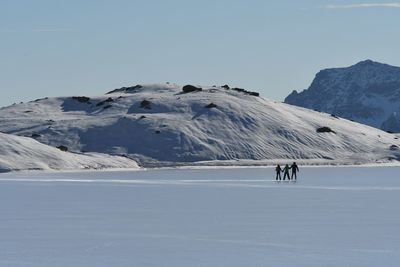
22,153
162,124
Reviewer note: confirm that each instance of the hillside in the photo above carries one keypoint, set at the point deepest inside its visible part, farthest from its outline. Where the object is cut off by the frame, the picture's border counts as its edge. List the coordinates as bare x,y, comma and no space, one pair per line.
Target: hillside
367,92
160,125
22,153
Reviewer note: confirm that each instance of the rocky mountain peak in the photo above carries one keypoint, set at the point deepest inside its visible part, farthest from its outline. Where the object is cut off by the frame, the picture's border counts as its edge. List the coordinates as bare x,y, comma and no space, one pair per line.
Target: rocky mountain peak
367,92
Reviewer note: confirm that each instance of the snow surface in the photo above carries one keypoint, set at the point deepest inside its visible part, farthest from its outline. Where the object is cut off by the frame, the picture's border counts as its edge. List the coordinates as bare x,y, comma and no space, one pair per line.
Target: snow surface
178,129
223,217
23,153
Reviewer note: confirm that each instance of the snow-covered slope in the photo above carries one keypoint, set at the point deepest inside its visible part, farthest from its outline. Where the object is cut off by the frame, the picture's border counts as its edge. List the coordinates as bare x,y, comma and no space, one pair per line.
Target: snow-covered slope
23,153
156,124
368,92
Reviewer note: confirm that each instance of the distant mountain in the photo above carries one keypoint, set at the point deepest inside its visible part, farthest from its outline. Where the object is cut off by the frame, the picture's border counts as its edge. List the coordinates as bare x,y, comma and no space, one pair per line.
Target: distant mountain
368,92
167,124
23,153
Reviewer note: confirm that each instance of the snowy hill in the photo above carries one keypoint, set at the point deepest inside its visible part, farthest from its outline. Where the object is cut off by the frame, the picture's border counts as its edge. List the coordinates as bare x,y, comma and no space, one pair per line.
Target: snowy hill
22,153
161,124
368,92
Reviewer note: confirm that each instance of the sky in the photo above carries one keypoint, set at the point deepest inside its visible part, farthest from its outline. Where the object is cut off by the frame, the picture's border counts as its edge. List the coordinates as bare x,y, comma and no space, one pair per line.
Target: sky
89,47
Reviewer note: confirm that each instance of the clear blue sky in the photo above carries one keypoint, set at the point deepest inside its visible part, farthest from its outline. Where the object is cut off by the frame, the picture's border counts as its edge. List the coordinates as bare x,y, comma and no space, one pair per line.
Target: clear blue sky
88,47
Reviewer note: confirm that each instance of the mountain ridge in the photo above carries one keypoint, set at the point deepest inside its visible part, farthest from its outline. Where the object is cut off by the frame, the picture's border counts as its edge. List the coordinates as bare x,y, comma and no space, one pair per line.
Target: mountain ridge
161,125
367,92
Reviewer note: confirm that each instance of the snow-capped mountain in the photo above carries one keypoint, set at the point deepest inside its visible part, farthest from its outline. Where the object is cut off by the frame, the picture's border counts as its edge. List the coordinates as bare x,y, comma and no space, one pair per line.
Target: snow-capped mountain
164,124
23,153
368,92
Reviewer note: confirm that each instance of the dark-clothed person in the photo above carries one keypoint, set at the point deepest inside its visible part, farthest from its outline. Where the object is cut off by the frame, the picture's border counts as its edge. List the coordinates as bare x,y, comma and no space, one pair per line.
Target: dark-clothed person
286,172
295,169
278,170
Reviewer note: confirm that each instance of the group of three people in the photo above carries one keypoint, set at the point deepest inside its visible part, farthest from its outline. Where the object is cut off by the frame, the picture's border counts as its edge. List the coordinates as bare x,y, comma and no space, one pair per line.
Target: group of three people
285,171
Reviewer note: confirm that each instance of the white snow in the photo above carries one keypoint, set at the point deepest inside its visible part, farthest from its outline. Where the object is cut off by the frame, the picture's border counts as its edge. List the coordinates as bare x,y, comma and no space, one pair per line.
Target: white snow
23,153
179,130
341,216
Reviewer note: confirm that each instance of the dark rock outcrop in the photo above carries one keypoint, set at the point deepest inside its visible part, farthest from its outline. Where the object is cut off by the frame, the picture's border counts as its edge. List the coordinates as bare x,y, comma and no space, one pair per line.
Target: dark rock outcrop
190,88
126,89
325,130
63,148
108,100
211,105
81,99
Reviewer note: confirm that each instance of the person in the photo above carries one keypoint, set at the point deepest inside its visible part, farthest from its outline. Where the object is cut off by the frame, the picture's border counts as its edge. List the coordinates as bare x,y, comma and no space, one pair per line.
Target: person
295,169
286,172
278,170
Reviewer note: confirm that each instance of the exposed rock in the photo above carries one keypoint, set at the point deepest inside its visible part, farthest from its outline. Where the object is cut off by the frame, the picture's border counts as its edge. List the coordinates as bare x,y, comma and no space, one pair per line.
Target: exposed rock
253,93
334,116
238,89
367,92
211,105
81,99
126,89
190,88
394,147
325,130
108,100
245,91
63,148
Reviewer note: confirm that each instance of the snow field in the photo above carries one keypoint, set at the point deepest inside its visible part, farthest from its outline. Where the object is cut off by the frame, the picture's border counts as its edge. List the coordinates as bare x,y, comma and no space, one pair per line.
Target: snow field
173,128
333,216
23,153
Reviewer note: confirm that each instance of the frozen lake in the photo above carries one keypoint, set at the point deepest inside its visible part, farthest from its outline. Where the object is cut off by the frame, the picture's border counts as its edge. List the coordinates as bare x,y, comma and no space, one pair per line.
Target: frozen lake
219,217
